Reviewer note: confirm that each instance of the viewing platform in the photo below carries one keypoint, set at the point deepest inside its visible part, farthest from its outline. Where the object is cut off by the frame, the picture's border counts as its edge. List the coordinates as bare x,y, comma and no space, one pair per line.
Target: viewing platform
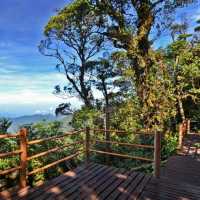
177,180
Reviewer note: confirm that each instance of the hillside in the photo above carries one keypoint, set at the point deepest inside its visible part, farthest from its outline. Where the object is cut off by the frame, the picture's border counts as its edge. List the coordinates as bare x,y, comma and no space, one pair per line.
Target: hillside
32,119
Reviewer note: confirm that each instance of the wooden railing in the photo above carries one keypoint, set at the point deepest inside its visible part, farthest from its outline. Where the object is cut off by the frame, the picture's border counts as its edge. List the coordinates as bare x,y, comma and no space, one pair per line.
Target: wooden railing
24,145
156,147
88,143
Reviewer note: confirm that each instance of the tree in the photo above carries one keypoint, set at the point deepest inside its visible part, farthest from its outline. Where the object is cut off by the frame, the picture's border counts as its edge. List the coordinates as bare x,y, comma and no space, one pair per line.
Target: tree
63,109
196,37
130,27
184,69
73,38
4,125
178,29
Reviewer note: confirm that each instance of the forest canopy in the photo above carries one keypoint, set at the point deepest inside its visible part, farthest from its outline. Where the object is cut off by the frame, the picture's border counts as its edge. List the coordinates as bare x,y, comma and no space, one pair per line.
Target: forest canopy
108,46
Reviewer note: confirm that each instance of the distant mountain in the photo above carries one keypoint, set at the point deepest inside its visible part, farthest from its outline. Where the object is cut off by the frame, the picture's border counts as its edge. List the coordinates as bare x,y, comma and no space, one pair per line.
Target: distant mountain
32,119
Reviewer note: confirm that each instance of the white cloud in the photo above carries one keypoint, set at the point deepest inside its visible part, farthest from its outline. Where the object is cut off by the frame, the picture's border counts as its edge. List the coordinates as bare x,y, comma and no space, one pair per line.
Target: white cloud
27,97
196,15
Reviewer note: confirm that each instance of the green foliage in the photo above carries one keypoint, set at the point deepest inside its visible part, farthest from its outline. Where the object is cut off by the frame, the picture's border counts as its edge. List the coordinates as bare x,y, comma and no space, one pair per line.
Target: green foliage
4,125
75,12
169,145
38,131
126,116
85,117
184,73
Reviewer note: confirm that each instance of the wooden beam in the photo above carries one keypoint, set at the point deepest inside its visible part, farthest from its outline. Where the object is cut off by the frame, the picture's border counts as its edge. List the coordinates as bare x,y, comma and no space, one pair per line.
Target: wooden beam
53,163
126,144
157,154
9,136
122,155
53,137
23,157
87,144
122,132
180,136
13,153
53,150
8,171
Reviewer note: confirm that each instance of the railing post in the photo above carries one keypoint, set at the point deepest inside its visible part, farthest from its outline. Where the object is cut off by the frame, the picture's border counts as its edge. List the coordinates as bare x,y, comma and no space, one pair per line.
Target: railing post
107,134
23,157
157,154
188,126
87,145
180,136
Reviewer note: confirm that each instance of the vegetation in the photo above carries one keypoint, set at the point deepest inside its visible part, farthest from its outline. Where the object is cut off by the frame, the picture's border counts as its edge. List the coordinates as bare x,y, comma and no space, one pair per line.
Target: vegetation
143,89
38,131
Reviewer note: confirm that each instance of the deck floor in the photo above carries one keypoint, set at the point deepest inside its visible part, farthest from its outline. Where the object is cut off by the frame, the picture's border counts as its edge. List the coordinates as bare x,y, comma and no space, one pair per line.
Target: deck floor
98,182
88,182
180,180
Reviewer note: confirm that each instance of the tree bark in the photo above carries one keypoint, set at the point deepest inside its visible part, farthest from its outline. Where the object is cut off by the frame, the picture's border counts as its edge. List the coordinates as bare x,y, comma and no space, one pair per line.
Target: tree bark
181,109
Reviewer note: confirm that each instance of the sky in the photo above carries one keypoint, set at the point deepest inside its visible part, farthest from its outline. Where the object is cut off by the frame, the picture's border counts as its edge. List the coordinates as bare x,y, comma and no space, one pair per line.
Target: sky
27,78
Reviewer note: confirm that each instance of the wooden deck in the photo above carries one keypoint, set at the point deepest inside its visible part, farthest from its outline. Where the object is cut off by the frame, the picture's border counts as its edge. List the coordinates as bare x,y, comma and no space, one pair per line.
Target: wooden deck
98,182
179,181
88,182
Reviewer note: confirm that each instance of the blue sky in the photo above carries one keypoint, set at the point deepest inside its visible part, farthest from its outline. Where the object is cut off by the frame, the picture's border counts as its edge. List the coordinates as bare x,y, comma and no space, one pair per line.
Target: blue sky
26,77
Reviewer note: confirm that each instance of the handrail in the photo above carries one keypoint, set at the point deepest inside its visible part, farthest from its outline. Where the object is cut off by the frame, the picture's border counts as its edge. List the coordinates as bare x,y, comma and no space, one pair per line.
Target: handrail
53,150
13,153
2,136
122,155
23,152
54,137
87,144
7,171
54,163
126,144
121,131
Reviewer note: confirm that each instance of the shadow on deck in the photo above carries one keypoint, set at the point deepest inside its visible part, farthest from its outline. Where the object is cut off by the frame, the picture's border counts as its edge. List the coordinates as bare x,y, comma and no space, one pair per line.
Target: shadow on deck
100,182
179,181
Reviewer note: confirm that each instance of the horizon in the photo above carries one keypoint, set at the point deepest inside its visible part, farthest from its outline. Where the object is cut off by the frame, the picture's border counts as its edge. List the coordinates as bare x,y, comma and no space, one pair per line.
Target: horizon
27,78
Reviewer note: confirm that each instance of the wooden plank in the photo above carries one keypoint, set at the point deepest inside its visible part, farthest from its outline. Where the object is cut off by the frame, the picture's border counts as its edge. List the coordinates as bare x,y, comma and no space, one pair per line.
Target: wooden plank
126,144
71,192
110,186
174,186
166,193
89,188
122,155
87,145
122,132
54,137
54,192
138,191
13,153
42,191
53,163
132,186
3,136
157,154
53,150
23,133
170,189
122,187
7,171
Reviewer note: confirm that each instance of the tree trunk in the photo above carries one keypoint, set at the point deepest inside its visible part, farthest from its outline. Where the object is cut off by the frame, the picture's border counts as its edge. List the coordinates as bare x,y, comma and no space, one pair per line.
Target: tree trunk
181,110
107,134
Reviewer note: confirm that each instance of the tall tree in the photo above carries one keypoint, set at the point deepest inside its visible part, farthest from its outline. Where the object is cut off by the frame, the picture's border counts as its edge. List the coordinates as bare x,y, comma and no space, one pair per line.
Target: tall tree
184,69
73,38
130,28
